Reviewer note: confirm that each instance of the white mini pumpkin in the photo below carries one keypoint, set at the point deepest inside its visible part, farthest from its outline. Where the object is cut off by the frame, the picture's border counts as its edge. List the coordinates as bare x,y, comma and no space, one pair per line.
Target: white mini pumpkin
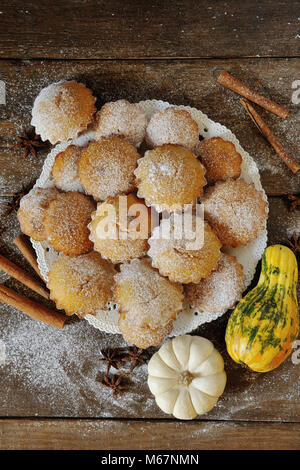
186,376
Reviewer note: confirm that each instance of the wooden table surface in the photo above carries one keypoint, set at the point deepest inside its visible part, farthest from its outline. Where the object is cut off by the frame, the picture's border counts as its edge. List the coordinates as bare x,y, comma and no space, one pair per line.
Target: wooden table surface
50,395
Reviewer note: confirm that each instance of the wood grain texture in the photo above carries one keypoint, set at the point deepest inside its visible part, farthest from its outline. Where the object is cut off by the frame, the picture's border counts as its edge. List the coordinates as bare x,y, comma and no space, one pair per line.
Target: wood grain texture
52,373
192,83
147,29
66,434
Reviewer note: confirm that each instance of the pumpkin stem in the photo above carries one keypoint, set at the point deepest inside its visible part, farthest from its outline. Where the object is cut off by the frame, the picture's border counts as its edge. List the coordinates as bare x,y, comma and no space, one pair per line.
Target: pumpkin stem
185,378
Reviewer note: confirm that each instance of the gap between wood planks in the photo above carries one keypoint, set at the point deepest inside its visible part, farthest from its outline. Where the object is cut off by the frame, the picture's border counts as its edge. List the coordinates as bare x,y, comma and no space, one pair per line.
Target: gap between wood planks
146,58
141,420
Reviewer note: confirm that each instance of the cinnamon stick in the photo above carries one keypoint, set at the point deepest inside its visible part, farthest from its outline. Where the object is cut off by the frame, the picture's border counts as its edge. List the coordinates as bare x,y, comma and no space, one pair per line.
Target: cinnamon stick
28,252
270,137
13,270
229,81
31,308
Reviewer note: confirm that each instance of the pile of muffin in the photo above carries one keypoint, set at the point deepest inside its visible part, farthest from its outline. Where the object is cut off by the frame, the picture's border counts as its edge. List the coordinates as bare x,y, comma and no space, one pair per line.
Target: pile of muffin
147,277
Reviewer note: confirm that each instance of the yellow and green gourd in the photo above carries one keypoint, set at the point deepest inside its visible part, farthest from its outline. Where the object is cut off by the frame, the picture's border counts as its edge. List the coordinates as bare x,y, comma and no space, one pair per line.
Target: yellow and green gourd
265,323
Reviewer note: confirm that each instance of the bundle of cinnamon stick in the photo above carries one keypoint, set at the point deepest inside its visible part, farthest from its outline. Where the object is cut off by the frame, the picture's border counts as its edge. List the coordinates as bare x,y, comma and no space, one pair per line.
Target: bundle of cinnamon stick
29,307
231,82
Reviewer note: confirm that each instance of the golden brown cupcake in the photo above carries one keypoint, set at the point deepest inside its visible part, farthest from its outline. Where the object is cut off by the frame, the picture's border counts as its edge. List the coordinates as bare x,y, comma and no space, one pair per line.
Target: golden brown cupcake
122,119
221,290
81,285
32,210
141,336
106,167
168,177
62,110
189,258
65,169
148,303
66,220
220,158
235,210
172,126
128,233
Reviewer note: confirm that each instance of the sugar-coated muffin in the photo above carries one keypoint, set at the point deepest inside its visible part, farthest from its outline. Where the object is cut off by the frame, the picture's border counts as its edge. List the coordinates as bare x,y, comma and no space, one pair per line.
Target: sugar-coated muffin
32,210
128,233
65,169
236,210
221,290
66,219
168,177
81,285
189,258
106,167
143,336
148,303
62,110
172,126
220,158
122,119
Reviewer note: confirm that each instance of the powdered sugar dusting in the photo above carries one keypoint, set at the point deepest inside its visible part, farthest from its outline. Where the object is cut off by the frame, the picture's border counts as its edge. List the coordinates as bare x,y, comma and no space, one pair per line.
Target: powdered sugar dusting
172,126
247,255
32,211
236,211
221,290
169,177
123,119
62,110
65,222
58,372
155,300
173,257
81,284
112,161
65,169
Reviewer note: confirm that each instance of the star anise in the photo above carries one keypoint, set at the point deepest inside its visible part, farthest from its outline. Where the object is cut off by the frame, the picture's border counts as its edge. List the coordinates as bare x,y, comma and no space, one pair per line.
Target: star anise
15,203
29,143
295,202
136,356
294,243
112,357
115,383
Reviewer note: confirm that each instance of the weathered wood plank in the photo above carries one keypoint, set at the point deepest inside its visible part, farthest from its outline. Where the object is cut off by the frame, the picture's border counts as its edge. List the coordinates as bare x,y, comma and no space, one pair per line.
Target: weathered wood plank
190,83
54,373
147,29
48,434
51,373
282,222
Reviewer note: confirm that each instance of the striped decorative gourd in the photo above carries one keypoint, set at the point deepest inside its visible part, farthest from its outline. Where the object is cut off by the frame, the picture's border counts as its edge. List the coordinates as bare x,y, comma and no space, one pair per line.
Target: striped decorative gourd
265,323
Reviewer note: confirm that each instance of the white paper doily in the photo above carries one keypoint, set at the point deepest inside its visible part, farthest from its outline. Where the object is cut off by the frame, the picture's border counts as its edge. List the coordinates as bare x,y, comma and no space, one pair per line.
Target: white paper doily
248,255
